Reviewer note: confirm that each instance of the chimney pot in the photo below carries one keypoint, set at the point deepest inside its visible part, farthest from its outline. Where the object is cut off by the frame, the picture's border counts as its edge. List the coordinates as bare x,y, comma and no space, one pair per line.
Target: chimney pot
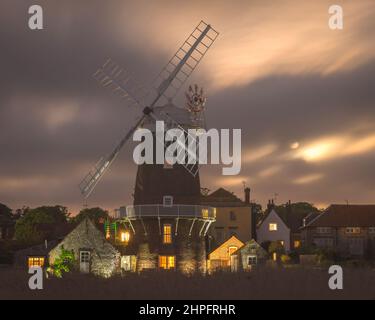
247,195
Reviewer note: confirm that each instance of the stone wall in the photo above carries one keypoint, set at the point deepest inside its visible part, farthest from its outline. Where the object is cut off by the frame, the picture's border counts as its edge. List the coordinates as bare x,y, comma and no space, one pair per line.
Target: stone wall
189,250
105,259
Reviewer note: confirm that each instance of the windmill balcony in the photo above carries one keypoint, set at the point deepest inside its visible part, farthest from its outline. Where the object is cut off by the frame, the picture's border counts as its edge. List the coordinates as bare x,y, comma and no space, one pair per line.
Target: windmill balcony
174,211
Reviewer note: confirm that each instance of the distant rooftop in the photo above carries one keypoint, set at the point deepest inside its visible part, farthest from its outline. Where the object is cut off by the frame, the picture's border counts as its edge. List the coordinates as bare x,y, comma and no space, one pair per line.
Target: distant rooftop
341,215
221,198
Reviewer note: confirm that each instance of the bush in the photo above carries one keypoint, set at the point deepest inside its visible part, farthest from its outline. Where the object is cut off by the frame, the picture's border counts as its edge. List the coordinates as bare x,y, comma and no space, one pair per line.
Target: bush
62,264
285,259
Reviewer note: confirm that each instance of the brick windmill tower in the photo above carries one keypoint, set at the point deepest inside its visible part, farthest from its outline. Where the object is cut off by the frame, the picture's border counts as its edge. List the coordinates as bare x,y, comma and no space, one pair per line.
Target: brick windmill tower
166,225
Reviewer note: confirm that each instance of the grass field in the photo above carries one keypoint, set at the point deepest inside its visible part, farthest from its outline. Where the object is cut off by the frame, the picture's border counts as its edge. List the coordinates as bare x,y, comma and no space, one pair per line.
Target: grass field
262,284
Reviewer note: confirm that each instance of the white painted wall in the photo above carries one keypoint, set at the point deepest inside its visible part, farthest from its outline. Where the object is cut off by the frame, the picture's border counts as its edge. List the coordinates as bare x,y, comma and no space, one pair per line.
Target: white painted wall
282,233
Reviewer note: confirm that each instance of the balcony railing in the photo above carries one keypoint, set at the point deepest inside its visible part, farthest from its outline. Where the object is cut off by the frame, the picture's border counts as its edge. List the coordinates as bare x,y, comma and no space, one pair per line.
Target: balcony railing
174,211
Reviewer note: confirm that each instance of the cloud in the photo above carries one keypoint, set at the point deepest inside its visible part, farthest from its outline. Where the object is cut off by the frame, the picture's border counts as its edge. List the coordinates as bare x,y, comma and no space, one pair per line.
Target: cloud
335,147
259,153
276,71
308,179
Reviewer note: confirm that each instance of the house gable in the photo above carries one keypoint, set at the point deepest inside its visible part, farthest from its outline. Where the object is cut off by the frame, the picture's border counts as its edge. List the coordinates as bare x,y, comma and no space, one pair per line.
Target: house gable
282,232
221,252
87,237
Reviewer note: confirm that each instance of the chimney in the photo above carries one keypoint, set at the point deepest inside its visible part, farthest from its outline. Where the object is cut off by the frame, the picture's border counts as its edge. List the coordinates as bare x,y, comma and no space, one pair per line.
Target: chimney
288,210
247,195
270,205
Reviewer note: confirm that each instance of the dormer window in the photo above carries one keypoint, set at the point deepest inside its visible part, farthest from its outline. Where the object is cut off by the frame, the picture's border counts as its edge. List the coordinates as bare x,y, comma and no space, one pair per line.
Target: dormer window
272,227
167,201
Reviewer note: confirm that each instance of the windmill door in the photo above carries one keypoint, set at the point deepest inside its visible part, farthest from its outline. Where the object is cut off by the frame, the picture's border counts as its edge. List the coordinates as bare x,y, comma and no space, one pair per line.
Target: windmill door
84,261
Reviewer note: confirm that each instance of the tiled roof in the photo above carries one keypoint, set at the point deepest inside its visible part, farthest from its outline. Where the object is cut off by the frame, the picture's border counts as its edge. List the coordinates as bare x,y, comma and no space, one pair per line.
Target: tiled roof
222,197
346,216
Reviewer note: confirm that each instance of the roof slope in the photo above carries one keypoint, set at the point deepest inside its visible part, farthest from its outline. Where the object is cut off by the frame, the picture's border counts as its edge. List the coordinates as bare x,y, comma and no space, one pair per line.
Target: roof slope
233,240
346,216
222,197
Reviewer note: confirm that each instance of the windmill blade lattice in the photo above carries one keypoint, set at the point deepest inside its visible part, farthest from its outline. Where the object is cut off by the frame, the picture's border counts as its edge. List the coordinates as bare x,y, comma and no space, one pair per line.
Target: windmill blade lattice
185,60
90,181
167,84
121,83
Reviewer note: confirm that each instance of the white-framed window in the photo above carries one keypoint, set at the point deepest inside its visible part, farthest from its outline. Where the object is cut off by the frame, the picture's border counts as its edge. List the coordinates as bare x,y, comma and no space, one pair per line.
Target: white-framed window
168,201
85,256
84,261
371,230
324,230
353,230
252,260
272,227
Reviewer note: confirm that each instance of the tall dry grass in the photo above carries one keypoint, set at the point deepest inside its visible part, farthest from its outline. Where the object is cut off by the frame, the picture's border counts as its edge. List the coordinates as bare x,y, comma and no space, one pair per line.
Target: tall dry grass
261,284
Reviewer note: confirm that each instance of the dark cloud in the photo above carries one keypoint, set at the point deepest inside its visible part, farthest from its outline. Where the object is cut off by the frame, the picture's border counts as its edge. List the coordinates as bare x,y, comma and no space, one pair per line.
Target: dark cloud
56,121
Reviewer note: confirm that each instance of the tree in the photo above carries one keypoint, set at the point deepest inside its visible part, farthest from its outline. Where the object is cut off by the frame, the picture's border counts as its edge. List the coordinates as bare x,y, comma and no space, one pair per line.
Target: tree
299,210
6,220
39,224
276,247
62,263
5,211
97,215
256,209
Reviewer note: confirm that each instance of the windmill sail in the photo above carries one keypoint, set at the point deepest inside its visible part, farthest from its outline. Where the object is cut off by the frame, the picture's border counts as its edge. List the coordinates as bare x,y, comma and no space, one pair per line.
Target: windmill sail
184,61
167,84
92,178
118,80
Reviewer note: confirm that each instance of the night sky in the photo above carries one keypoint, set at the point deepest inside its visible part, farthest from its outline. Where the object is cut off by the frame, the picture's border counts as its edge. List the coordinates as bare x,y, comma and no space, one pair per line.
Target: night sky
303,95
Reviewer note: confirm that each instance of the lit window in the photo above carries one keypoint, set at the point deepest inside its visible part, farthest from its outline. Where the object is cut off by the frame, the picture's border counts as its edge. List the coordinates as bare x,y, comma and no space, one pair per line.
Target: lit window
125,236
107,231
167,262
297,244
273,227
232,250
36,262
167,233
353,230
205,213
167,201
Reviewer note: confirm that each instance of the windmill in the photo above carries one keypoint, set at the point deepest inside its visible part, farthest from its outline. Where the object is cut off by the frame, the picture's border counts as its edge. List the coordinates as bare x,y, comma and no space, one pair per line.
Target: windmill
172,77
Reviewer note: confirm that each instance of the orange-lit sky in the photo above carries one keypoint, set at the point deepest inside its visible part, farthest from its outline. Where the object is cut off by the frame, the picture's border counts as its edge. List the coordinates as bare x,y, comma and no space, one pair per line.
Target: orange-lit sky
302,94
